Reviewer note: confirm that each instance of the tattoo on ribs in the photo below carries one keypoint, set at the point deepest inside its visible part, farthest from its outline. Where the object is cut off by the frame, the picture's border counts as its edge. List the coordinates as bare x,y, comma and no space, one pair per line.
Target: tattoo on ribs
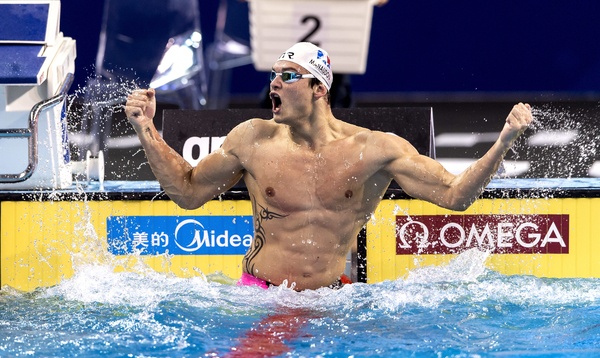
261,214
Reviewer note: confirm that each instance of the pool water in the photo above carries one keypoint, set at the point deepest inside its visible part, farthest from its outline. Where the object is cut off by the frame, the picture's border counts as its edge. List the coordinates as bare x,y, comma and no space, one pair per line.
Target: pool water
458,310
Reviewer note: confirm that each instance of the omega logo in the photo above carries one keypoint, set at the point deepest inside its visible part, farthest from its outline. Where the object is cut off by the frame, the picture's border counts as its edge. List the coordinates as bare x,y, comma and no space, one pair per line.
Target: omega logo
441,234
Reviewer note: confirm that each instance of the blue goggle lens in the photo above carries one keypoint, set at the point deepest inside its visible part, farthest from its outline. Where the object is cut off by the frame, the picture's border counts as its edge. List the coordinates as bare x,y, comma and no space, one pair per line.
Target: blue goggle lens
289,77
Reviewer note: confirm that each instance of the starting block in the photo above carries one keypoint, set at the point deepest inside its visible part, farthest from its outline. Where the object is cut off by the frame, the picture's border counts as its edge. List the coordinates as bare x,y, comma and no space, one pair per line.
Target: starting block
340,27
37,64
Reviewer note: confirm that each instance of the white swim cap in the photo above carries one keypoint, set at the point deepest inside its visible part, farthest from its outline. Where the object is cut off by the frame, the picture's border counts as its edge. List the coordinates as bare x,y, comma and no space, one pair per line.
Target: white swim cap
313,58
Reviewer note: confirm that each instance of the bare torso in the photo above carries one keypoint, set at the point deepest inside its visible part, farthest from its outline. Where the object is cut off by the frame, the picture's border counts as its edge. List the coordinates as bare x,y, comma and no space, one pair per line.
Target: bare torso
309,203
313,180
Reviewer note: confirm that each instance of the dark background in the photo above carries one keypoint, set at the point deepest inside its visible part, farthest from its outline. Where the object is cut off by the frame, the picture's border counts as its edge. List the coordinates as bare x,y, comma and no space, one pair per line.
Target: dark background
468,60
430,47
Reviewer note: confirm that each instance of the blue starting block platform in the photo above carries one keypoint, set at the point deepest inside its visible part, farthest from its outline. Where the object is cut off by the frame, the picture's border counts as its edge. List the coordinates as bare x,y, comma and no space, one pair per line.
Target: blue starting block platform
37,64
22,64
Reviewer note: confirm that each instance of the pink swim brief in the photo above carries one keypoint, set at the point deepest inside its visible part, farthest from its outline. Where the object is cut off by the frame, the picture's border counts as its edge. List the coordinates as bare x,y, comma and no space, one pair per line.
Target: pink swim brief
249,280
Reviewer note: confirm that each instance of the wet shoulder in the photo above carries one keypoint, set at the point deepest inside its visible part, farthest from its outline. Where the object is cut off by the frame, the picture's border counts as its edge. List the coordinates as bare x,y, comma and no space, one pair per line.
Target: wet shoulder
253,130
357,133
387,145
379,141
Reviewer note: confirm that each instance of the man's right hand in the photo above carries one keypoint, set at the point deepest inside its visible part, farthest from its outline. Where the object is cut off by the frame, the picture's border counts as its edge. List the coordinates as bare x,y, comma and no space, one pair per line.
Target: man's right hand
141,107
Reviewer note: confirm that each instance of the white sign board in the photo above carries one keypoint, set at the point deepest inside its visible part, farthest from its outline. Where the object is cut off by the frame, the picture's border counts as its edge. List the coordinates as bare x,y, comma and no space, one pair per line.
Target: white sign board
340,27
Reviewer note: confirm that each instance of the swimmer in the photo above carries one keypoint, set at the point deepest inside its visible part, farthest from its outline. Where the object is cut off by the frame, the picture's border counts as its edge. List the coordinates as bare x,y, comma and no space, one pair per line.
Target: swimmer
313,179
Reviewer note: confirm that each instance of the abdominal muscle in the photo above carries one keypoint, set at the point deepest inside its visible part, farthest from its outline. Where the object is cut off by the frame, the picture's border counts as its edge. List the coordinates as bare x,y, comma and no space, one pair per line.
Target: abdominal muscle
308,256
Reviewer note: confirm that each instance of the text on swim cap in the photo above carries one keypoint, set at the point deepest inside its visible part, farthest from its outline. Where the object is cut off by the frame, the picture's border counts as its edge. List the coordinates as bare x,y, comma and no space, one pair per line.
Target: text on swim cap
289,55
324,70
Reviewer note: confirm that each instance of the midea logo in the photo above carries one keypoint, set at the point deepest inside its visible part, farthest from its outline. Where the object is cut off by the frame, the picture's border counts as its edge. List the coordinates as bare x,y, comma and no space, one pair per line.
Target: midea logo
191,235
194,242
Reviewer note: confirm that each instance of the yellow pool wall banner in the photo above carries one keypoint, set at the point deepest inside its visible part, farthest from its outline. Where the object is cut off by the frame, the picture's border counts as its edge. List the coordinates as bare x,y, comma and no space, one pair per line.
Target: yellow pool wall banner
571,228
43,242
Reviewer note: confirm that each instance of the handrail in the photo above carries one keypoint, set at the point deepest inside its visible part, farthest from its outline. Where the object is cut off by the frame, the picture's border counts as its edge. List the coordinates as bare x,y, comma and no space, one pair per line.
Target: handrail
32,132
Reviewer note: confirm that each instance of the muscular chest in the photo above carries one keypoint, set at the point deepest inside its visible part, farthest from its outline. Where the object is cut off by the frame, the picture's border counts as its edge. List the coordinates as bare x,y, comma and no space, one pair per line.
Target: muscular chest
292,178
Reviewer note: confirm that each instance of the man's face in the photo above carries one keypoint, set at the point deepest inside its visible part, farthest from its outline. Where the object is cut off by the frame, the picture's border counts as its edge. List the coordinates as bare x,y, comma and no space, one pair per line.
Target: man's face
289,94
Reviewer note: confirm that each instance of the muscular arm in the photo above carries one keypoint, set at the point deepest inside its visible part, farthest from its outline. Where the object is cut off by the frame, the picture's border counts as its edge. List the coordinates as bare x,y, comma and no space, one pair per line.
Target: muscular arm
424,178
188,187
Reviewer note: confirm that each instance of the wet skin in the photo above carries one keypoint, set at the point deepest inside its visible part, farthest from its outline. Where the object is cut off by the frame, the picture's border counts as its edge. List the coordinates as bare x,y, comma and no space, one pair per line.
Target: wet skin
313,179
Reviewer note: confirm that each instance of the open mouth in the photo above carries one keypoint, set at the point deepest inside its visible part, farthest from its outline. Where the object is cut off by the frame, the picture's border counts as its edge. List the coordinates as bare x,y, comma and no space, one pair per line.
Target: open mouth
276,102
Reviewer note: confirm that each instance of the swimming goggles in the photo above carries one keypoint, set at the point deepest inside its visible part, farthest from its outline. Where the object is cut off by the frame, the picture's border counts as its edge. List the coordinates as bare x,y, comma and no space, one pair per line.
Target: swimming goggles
289,77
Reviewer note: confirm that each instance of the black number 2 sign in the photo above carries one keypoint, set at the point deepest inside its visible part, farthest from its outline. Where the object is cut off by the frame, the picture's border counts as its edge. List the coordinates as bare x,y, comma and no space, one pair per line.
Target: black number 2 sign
316,25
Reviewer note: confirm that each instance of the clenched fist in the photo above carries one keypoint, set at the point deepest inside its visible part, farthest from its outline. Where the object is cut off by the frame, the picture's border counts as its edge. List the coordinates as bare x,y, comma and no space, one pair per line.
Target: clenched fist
141,107
517,122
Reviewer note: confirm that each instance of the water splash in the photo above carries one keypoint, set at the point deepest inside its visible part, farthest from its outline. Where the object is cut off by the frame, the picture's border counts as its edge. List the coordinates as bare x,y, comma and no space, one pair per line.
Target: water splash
461,308
101,91
466,267
562,142
91,110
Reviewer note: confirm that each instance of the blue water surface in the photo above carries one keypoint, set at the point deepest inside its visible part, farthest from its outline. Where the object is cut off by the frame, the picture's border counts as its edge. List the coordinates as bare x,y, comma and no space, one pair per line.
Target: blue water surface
458,310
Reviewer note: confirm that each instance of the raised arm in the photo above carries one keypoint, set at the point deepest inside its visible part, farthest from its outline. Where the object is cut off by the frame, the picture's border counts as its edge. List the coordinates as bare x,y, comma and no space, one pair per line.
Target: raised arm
424,178
187,186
